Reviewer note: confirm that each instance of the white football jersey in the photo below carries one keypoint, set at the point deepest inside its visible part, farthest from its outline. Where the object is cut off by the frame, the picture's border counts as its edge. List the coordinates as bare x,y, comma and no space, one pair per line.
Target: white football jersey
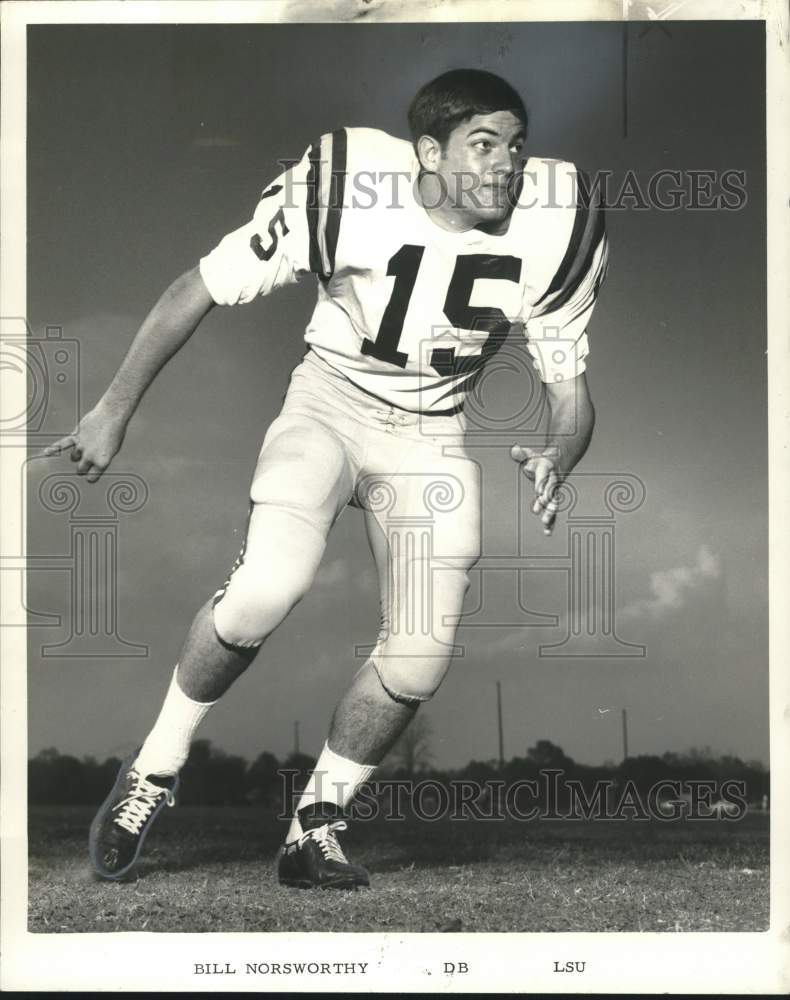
406,310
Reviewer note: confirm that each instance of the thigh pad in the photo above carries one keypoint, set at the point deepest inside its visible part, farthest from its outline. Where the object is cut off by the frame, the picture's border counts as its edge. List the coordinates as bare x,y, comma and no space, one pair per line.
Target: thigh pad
302,465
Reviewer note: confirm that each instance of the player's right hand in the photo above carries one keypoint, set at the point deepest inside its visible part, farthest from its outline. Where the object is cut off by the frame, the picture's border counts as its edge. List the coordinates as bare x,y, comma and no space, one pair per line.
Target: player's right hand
542,469
93,443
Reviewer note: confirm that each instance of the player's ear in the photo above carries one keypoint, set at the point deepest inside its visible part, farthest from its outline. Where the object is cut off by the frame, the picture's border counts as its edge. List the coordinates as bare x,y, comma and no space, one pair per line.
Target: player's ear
429,152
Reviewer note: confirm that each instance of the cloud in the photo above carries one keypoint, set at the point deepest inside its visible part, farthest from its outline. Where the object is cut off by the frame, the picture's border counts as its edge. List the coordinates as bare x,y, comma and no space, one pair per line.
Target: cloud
672,588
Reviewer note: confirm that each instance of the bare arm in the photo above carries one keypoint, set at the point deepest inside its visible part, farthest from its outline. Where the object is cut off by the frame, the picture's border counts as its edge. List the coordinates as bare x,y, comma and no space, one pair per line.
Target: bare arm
172,321
165,330
571,422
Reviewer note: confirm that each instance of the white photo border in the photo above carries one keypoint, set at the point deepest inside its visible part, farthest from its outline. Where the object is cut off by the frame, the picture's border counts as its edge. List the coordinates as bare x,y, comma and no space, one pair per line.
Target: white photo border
644,962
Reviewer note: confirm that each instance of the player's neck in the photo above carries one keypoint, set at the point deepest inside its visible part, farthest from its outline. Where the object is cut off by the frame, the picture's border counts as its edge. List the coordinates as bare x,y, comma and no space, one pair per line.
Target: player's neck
451,219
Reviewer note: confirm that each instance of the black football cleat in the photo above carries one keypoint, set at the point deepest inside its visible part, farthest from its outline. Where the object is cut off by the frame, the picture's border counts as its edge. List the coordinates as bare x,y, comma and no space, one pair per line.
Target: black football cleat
127,814
316,860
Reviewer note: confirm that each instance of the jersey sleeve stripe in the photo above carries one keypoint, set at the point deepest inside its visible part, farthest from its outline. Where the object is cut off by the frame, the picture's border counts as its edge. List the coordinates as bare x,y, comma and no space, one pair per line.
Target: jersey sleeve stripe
337,191
326,180
324,196
588,231
313,198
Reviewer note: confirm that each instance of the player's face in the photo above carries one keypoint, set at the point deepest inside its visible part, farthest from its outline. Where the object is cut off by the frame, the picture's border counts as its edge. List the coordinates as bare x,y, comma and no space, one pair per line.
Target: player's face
479,162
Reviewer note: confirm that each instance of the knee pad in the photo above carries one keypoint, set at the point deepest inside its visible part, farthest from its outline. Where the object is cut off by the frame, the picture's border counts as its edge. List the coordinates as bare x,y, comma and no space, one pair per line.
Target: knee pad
413,656
282,550
272,574
252,604
410,675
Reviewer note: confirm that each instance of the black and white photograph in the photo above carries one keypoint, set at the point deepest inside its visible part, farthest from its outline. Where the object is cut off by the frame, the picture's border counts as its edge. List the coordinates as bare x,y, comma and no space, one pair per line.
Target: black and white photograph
394,460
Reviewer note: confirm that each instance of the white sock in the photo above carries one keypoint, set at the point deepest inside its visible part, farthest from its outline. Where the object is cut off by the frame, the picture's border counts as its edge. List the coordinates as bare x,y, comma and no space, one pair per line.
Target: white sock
167,746
335,779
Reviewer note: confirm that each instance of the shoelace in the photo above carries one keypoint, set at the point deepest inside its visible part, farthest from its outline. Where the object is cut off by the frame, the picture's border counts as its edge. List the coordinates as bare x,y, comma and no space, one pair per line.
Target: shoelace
325,837
139,803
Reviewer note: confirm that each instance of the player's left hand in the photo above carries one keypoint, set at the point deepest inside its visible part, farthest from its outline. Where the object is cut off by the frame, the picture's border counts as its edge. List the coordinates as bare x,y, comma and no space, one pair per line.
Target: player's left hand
543,469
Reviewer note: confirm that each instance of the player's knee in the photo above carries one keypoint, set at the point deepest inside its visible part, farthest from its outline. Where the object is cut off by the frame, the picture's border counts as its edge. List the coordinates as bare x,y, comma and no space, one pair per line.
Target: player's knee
254,604
411,678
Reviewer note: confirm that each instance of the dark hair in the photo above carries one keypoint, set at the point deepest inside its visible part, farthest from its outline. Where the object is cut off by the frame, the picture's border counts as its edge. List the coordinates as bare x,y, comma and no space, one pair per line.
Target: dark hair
455,97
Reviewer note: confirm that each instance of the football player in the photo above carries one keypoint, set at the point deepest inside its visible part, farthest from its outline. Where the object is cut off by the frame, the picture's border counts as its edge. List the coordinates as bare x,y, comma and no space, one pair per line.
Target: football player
424,255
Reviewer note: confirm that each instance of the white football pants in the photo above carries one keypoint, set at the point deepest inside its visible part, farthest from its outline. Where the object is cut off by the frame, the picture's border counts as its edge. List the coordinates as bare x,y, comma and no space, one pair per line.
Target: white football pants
334,445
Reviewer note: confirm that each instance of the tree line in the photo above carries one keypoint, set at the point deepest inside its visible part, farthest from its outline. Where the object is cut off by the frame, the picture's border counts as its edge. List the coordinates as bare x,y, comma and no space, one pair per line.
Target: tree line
212,777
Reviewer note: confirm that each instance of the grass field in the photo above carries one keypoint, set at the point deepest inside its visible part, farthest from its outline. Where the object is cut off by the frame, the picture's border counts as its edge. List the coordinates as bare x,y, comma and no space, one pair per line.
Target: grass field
212,870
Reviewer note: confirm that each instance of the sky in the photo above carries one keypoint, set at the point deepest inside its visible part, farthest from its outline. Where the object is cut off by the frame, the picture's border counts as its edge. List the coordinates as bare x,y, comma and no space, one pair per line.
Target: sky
146,144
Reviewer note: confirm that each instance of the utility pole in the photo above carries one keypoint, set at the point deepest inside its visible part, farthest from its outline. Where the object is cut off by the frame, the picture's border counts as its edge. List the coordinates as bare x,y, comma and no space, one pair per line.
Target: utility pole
625,734
499,720
296,737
